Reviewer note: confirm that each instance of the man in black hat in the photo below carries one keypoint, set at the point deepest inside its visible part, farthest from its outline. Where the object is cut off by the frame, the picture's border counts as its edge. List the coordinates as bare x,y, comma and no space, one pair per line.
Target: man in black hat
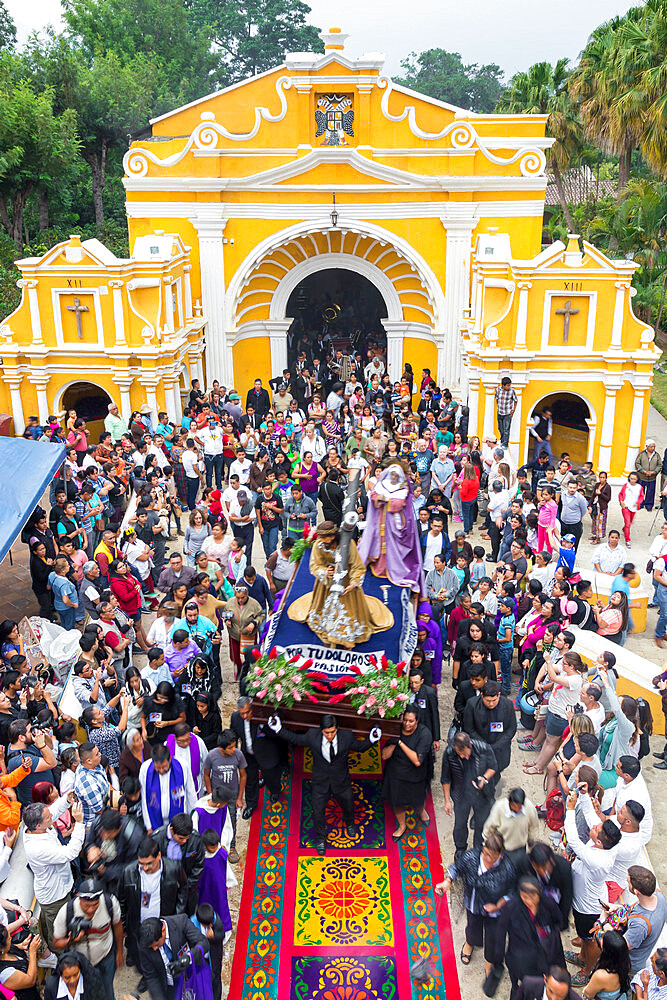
90,923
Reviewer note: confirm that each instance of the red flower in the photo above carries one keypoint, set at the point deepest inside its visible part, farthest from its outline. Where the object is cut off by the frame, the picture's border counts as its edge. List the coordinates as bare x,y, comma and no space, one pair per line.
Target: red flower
311,698
356,670
256,655
340,682
317,675
336,698
320,687
273,655
384,661
306,530
372,659
400,668
306,665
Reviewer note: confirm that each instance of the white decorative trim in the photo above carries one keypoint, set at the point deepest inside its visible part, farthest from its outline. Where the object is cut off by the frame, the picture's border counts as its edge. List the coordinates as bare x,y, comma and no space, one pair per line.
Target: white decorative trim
463,135
458,183
400,209
205,135
563,350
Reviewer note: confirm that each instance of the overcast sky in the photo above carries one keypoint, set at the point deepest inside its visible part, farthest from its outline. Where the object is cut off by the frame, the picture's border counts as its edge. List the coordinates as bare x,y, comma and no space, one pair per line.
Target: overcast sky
512,33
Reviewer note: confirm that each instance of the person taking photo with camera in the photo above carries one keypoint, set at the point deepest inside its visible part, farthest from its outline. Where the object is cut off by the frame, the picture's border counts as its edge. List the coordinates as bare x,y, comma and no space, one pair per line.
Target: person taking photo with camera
90,923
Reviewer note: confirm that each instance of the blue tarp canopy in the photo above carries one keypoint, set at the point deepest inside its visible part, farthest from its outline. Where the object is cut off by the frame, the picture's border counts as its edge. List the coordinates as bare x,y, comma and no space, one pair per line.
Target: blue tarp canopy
26,469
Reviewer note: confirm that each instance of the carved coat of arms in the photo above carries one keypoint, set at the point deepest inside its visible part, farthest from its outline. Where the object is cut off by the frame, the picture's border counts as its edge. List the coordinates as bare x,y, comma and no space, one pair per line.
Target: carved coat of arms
334,117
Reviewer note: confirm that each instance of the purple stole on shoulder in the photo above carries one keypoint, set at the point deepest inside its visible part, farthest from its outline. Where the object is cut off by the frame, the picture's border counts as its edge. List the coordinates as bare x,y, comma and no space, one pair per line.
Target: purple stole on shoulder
154,793
195,756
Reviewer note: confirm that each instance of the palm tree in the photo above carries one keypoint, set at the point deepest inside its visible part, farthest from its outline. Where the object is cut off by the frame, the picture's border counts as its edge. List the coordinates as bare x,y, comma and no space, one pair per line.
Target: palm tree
543,89
608,90
645,47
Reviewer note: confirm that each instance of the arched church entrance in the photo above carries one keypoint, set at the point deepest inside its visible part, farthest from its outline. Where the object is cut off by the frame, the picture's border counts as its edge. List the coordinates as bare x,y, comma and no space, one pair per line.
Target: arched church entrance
335,308
572,420
91,404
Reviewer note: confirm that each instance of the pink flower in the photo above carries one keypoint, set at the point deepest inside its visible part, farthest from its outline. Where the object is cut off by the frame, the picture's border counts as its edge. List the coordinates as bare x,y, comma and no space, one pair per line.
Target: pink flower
258,671
401,697
297,696
363,690
375,684
271,677
281,672
371,701
381,712
393,684
360,710
261,694
390,702
279,691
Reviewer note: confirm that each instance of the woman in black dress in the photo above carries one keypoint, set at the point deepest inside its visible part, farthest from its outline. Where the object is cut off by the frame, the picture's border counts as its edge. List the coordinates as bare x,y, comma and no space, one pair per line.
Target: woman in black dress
528,934
406,770
160,712
207,721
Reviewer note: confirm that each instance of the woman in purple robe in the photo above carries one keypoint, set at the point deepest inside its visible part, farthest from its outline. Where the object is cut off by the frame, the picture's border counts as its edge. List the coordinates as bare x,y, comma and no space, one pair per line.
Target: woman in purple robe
389,544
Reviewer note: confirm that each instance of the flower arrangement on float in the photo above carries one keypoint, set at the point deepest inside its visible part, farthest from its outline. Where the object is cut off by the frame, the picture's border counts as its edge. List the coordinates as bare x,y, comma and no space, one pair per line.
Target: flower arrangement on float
383,692
282,680
306,541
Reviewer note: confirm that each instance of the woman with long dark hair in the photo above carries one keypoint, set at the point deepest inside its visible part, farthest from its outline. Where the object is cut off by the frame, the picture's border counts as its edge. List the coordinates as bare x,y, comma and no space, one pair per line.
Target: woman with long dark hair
75,979
207,721
127,591
160,713
612,618
610,978
527,937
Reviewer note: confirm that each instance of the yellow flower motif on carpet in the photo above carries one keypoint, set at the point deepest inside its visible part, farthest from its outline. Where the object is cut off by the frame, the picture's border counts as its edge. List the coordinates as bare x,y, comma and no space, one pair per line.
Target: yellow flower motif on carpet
343,901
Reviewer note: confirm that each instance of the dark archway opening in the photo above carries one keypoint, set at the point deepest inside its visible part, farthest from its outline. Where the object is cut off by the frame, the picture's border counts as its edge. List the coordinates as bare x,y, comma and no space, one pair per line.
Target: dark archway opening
91,403
335,309
570,425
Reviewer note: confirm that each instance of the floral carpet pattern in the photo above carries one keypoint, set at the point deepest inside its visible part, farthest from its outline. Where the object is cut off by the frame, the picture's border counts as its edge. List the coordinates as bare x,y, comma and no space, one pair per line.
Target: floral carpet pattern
368,817
349,925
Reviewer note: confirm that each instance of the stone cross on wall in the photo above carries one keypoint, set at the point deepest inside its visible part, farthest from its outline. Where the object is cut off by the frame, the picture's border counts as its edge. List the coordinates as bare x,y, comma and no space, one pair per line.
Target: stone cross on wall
77,308
566,312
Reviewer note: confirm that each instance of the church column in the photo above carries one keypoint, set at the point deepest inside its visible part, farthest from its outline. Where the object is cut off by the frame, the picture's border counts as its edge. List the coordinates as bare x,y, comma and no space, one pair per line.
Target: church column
150,384
522,315
118,312
14,383
170,390
607,432
33,304
395,330
212,269
515,427
277,331
187,283
473,404
459,221
489,408
124,383
634,437
41,382
619,313
169,302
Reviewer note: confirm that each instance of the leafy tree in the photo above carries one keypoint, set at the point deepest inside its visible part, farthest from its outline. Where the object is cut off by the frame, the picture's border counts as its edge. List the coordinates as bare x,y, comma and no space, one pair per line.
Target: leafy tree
159,30
254,35
610,99
443,75
543,89
36,146
7,28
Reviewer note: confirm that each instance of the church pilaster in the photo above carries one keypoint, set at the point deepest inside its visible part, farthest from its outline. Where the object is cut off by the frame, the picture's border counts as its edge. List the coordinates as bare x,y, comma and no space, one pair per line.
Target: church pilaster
459,220
210,226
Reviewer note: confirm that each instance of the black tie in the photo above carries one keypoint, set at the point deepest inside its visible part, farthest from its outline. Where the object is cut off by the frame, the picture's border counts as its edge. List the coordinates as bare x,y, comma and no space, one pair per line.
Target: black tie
332,753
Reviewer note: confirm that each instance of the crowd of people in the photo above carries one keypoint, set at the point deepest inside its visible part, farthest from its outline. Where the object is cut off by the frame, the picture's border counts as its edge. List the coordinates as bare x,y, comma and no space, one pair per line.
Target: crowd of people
131,812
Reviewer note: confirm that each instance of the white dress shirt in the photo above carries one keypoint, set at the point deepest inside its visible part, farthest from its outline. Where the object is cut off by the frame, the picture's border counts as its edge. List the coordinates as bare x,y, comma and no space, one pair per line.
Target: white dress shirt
150,893
50,861
637,790
590,869
328,746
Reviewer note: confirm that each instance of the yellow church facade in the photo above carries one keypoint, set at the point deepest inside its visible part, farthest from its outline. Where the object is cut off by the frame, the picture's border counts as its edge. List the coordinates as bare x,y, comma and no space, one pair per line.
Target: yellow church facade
324,164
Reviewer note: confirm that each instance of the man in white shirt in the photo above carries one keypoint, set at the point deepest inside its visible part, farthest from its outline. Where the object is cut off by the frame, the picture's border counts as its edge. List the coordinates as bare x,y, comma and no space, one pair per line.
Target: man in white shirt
590,871
630,850
433,544
499,502
240,467
49,860
590,699
631,786
658,549
193,477
210,439
229,495
375,367
313,442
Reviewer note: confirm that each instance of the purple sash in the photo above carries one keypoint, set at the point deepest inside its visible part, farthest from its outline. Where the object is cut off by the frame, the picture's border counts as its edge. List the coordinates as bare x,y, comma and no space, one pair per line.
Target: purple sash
154,794
195,756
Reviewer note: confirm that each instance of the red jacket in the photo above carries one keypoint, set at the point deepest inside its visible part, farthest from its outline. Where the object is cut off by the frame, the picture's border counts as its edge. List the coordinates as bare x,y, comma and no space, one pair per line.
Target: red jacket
469,489
128,591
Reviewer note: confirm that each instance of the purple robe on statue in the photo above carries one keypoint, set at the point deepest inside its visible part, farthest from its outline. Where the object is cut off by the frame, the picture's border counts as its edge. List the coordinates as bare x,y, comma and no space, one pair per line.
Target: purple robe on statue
389,545
213,886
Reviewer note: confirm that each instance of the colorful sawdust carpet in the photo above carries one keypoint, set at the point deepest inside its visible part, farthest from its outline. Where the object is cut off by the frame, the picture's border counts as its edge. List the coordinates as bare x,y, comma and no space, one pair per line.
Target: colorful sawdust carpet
347,926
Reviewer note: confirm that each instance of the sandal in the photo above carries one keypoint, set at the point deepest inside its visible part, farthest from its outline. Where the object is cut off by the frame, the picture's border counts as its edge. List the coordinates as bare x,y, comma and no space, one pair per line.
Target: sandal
465,958
531,769
572,958
426,820
580,978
